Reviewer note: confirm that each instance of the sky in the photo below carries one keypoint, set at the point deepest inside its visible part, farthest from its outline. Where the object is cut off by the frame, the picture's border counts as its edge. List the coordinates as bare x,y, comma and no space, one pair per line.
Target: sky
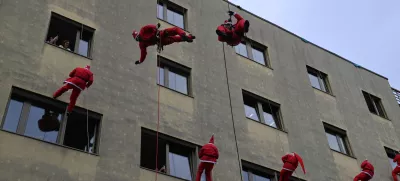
366,32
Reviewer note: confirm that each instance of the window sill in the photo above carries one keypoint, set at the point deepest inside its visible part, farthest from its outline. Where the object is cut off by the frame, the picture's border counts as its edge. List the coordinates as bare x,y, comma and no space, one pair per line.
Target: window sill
380,116
324,92
254,61
175,91
69,51
151,170
267,125
184,29
55,144
344,154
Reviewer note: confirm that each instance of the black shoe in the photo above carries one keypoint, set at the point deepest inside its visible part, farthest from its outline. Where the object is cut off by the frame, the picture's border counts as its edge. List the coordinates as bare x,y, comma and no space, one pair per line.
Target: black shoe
246,26
193,37
220,33
186,38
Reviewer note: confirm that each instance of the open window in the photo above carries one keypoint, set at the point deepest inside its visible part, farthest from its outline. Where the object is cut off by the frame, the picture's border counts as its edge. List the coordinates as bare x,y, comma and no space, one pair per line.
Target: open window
262,110
175,157
174,76
374,104
71,35
42,118
337,139
171,13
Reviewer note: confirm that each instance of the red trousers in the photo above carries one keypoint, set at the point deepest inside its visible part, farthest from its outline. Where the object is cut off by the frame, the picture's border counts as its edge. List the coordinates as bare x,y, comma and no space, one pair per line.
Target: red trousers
172,32
72,98
285,175
171,39
362,176
395,172
205,166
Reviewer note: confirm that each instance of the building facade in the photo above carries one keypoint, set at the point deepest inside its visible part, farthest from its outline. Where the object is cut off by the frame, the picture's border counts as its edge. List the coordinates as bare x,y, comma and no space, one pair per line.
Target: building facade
273,94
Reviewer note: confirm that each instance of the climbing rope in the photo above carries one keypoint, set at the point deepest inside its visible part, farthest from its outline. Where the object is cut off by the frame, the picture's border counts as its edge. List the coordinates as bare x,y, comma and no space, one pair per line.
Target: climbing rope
158,96
230,103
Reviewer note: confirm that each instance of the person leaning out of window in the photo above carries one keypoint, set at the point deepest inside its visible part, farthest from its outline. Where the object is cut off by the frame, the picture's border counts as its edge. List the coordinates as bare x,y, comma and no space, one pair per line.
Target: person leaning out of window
65,45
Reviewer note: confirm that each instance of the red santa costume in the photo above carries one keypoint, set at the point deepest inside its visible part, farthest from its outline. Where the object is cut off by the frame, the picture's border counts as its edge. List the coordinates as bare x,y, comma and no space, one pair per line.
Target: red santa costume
208,157
367,172
78,80
232,34
396,170
149,35
290,163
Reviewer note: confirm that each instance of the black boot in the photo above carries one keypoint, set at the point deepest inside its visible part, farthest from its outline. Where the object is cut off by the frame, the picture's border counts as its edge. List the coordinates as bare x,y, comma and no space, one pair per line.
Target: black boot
186,38
246,26
222,34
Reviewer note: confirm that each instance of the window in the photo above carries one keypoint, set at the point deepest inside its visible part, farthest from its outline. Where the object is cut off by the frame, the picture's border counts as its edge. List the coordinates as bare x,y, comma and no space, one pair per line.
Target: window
374,104
171,13
175,157
262,110
253,172
396,95
173,76
319,80
391,154
337,139
79,36
26,112
253,50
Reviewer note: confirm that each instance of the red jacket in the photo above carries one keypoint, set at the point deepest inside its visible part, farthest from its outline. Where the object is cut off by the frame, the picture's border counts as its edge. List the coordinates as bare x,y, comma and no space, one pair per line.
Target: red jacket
148,37
290,162
367,167
80,78
236,35
397,160
209,153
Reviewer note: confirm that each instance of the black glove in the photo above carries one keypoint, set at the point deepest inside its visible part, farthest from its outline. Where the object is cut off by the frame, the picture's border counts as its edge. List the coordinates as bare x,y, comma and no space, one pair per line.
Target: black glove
158,25
230,13
137,62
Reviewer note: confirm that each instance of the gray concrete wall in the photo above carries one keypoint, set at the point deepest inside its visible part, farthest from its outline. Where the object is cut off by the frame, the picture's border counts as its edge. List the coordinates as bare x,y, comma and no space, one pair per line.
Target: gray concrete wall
126,95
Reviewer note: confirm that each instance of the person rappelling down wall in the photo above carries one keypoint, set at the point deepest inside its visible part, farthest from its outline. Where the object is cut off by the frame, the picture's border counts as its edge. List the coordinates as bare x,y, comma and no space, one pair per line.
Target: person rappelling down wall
367,172
149,35
208,156
232,34
79,79
396,170
290,163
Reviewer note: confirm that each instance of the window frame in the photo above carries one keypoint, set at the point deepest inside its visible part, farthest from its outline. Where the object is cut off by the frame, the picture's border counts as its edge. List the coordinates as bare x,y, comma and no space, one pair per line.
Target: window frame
376,101
29,98
260,103
168,5
323,80
339,134
250,45
171,66
79,34
169,140
254,169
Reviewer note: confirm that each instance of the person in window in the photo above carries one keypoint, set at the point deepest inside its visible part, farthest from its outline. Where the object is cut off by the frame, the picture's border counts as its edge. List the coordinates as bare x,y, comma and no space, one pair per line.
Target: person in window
396,170
79,79
367,172
208,157
149,35
52,40
232,34
290,163
65,45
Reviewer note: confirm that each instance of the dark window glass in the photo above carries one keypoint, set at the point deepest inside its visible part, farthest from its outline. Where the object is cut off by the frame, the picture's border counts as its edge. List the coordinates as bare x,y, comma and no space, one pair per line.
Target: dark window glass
258,56
370,104
250,108
13,115
379,106
270,116
314,80
32,129
241,49
175,18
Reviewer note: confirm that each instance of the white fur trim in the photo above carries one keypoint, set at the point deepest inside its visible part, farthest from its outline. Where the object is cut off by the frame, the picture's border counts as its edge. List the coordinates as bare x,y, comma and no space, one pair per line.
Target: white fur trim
208,161
287,169
366,173
73,85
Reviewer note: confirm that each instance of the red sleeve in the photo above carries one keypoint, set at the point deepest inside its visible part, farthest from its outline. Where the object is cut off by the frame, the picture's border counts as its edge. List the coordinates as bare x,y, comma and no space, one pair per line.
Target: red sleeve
284,158
238,17
201,152
143,52
396,158
72,74
90,82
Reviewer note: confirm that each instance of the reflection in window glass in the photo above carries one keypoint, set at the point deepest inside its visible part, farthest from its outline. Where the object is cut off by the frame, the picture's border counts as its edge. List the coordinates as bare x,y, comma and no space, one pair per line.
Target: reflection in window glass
269,120
343,145
314,81
251,112
393,164
160,76
32,129
260,178
160,11
245,175
241,49
333,142
179,166
258,56
83,48
175,18
13,115
177,82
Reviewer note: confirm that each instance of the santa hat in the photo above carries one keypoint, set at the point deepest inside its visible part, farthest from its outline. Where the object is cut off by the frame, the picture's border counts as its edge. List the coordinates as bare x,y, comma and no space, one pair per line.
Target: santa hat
300,161
211,139
135,34
87,67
